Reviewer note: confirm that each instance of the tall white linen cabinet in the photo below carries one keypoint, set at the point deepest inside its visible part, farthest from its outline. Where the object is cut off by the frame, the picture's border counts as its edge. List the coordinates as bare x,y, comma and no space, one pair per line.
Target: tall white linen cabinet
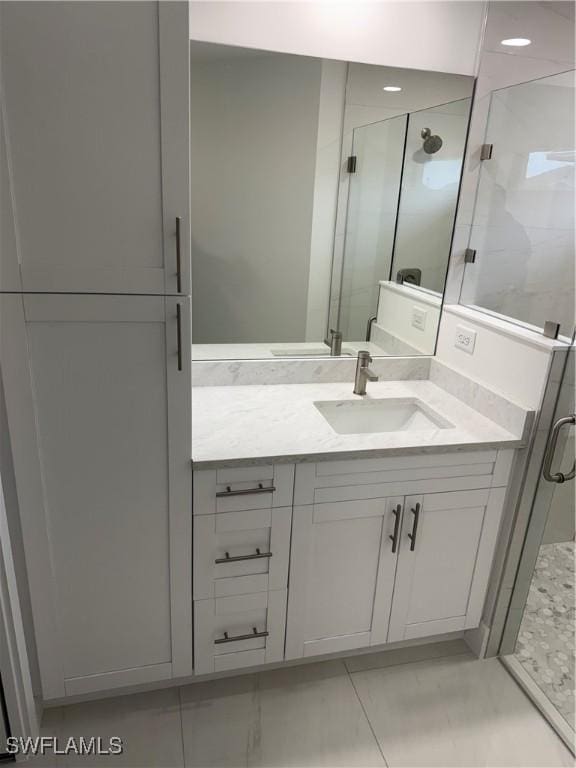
95,333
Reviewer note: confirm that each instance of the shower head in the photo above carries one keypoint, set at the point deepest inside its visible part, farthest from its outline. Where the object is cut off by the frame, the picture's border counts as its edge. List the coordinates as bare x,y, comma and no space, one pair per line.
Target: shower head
431,143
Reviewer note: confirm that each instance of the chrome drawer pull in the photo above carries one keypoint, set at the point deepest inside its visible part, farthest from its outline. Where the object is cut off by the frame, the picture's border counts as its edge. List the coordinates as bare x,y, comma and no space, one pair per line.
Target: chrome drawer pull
245,491
249,636
237,558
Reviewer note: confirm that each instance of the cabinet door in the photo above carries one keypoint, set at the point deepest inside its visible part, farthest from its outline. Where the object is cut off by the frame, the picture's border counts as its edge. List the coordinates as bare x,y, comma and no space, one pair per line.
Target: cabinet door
342,570
446,550
96,117
113,598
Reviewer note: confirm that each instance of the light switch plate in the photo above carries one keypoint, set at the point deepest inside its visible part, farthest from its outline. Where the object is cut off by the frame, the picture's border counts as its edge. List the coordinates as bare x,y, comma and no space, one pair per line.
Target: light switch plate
419,318
465,339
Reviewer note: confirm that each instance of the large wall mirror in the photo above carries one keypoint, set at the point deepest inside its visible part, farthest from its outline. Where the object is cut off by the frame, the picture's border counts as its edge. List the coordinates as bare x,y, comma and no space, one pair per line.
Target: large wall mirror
323,203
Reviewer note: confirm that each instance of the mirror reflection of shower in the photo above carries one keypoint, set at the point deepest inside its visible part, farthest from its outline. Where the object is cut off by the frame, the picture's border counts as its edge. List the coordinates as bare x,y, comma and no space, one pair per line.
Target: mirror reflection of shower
399,217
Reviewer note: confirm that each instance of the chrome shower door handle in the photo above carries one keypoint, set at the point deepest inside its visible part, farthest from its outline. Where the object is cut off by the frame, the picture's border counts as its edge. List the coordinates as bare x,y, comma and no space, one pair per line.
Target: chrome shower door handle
557,477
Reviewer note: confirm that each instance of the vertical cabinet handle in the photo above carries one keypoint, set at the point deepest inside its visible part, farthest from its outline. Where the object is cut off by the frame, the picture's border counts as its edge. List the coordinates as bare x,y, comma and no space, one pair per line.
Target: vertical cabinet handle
394,537
179,334
412,536
178,257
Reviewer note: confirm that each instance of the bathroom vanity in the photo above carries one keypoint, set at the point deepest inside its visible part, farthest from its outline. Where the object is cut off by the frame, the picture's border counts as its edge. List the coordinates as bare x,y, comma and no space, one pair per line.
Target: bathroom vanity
318,530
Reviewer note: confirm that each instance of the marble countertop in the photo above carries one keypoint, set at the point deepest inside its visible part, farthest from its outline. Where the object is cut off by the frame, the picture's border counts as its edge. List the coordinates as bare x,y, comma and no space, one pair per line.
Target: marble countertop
255,424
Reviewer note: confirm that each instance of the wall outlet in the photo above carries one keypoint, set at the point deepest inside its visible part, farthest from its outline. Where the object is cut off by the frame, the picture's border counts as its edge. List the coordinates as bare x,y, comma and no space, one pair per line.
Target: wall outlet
419,318
465,339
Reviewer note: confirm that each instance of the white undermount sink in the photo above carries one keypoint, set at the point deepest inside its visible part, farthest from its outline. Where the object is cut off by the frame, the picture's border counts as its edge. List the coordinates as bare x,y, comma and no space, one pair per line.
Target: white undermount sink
393,414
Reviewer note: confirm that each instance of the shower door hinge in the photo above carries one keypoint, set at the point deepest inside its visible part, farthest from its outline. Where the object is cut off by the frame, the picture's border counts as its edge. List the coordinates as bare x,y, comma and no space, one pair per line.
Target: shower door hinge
470,255
551,329
486,151
351,164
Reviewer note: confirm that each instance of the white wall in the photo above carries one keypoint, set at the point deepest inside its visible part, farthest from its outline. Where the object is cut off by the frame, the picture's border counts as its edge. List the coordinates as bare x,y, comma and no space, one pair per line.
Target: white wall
437,35
253,144
505,358
396,308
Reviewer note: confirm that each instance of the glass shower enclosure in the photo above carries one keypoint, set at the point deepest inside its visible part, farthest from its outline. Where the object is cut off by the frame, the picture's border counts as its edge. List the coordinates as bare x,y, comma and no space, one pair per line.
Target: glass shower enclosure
523,225
538,641
523,270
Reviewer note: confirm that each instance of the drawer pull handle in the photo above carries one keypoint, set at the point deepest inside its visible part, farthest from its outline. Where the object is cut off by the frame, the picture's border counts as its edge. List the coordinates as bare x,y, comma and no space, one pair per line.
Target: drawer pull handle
246,491
237,558
412,536
178,255
394,537
179,334
249,636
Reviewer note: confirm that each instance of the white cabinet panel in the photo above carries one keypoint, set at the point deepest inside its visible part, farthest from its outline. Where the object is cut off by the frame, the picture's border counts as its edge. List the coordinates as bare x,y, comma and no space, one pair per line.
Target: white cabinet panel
110,407
353,479
241,552
239,631
243,488
443,562
97,117
341,576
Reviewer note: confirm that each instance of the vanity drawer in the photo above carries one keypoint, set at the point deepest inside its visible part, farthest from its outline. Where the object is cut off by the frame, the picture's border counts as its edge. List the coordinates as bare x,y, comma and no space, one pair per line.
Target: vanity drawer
239,631
240,552
355,479
243,488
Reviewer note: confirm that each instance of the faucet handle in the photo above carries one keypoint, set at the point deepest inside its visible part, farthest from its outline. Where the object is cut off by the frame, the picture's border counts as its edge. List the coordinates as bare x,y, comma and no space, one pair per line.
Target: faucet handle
364,356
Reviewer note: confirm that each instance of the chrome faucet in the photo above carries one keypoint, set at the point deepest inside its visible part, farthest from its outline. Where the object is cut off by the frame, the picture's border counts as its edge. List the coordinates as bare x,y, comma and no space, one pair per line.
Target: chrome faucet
335,343
363,373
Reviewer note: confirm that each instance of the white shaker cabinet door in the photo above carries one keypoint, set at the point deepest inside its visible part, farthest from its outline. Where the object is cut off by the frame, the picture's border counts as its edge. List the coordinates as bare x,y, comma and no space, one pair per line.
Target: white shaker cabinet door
96,127
342,570
111,402
446,548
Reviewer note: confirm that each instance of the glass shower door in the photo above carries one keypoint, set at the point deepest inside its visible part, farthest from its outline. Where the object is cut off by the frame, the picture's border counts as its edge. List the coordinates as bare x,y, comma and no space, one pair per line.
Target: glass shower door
538,641
370,221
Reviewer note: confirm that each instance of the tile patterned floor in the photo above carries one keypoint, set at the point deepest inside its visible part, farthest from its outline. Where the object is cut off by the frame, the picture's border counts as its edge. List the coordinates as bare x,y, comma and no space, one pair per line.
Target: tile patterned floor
545,645
437,706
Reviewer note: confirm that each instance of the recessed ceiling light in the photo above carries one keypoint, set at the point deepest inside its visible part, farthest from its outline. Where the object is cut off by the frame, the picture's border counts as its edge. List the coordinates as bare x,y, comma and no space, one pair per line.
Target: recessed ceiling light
392,88
516,42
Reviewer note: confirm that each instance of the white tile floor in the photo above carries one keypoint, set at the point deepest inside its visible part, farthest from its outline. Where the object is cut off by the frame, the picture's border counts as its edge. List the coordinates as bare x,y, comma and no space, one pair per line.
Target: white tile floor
437,706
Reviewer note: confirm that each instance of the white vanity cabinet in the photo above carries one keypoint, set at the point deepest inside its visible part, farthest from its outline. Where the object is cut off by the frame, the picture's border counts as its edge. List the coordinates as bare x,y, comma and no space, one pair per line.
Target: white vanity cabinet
391,549
242,524
97,105
380,550
98,403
